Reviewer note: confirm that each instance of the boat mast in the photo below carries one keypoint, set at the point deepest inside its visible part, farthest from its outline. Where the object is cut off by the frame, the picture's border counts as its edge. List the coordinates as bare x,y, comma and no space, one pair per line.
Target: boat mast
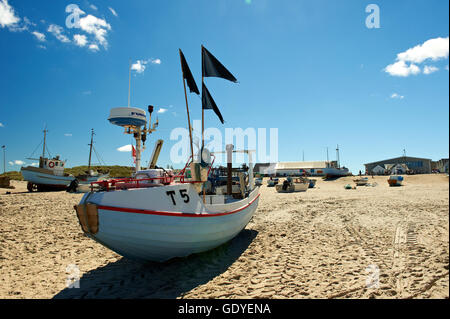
43,148
90,150
337,157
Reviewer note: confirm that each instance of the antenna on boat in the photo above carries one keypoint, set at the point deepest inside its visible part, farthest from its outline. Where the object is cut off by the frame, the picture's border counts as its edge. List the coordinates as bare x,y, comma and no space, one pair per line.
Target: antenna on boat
129,83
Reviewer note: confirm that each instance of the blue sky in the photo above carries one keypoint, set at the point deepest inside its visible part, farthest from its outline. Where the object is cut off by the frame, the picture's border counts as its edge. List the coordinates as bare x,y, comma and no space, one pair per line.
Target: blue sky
310,68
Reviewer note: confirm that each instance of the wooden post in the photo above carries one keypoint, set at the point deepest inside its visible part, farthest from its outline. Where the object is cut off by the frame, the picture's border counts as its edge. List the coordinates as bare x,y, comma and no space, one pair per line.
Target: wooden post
229,149
187,110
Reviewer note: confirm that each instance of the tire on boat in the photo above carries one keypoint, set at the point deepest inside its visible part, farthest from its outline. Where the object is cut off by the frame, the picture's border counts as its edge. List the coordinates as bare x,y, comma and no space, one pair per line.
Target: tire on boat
31,186
73,186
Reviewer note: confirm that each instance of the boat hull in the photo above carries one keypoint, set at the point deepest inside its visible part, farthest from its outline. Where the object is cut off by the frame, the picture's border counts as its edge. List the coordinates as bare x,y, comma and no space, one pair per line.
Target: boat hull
293,188
168,230
89,179
361,182
45,180
395,180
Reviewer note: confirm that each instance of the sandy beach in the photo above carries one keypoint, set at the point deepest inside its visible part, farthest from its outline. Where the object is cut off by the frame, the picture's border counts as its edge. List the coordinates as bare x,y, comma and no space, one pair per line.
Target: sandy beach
326,243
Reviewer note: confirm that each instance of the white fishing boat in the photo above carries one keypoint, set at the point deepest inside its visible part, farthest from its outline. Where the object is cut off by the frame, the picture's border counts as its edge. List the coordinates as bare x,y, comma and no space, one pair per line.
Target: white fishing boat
338,171
293,185
156,215
49,175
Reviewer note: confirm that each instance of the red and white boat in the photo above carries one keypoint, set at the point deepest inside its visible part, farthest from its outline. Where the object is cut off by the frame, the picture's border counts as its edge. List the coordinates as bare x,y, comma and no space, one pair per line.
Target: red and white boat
158,218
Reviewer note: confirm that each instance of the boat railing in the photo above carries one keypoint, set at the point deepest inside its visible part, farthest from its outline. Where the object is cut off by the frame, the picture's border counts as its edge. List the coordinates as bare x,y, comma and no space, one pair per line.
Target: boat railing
127,183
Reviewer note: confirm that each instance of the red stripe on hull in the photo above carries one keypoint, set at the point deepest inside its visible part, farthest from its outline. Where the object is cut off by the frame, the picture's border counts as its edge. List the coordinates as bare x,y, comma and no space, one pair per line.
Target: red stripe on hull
173,214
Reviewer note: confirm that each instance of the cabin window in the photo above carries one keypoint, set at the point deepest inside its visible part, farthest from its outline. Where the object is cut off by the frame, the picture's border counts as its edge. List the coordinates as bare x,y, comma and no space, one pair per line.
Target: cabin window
56,164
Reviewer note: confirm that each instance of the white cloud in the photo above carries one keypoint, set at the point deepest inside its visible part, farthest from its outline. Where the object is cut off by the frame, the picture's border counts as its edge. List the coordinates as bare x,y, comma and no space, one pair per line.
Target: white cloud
93,7
57,31
433,49
400,68
39,36
1,124
86,92
34,164
97,27
80,40
139,66
162,110
42,47
68,134
125,148
11,163
113,11
18,162
8,17
428,69
94,47
397,96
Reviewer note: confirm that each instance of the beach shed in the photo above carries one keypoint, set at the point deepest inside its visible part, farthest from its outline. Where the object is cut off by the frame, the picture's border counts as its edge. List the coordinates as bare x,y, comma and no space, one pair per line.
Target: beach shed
396,169
379,170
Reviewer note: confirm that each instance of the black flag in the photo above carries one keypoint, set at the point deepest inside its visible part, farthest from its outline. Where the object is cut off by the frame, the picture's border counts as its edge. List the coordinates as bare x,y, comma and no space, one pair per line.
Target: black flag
187,75
211,67
208,102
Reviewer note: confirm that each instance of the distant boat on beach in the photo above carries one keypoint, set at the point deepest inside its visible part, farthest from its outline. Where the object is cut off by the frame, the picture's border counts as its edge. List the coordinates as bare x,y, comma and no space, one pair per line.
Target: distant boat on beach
292,185
272,182
49,175
395,180
90,176
361,181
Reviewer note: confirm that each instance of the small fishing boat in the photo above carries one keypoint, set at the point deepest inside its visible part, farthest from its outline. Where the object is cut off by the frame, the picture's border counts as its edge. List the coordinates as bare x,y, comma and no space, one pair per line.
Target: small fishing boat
291,185
272,182
49,175
395,180
91,176
363,181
